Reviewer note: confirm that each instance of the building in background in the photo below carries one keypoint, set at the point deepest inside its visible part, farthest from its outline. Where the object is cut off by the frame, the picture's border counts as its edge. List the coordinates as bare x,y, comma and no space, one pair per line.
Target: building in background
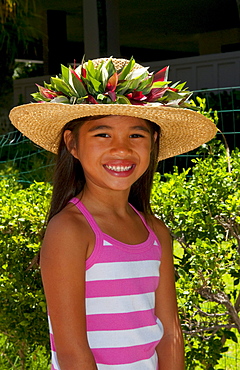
200,39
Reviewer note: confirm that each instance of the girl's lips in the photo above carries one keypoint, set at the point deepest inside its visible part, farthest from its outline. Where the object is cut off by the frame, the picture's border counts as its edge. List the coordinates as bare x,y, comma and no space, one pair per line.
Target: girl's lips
119,170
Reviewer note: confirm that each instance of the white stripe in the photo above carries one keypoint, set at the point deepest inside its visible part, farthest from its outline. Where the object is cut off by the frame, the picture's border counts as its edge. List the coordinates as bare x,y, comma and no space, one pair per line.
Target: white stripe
125,338
123,270
50,325
120,304
105,242
149,364
55,360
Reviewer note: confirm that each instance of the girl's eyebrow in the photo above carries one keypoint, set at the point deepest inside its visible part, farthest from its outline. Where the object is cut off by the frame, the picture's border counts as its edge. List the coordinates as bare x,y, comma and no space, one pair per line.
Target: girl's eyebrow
100,127
140,128
104,127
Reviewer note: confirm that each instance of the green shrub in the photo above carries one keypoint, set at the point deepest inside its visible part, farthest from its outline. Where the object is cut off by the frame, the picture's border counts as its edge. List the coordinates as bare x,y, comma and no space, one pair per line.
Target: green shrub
23,308
203,214
199,205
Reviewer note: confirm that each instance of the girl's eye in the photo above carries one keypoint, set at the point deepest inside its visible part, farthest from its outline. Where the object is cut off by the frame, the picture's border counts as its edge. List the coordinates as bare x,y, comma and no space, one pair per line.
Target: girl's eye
136,136
102,135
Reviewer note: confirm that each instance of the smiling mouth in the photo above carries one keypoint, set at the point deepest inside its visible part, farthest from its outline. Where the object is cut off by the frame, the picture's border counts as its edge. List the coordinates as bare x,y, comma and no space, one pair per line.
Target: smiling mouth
119,168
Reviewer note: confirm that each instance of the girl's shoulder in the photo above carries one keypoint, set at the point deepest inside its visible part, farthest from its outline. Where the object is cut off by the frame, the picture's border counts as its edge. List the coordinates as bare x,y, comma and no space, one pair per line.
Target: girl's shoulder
157,224
160,229
67,230
69,218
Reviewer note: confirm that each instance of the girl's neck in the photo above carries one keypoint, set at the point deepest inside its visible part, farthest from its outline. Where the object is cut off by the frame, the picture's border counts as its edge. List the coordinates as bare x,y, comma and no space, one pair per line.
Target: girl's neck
105,201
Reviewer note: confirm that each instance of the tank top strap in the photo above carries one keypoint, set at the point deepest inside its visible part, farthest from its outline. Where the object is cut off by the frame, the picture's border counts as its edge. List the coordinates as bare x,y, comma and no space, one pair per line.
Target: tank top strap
77,202
142,218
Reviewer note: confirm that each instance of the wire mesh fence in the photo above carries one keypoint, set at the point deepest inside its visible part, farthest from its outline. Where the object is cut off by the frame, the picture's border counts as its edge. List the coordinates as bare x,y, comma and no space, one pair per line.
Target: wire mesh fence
226,101
18,153
33,163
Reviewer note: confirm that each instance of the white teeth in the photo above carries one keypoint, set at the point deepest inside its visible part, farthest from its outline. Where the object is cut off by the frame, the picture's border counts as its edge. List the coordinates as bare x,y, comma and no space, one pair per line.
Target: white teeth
119,168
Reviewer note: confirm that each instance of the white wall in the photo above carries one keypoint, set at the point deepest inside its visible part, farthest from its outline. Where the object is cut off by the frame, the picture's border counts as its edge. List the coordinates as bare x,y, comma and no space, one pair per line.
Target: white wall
206,71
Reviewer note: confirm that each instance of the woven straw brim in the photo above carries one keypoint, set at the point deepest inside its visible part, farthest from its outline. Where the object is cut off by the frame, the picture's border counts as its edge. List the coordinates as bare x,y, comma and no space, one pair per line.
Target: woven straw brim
182,130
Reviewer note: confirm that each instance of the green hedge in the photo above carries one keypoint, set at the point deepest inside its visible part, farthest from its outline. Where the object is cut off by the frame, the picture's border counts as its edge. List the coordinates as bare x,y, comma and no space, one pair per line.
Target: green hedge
203,213
23,308
199,205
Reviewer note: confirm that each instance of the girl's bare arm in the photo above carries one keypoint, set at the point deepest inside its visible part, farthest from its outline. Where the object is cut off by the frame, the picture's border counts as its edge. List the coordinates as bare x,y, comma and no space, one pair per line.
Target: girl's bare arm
171,347
62,261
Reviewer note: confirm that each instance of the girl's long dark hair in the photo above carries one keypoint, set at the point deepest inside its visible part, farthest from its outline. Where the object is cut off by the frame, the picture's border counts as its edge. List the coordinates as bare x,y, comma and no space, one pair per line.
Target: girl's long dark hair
69,179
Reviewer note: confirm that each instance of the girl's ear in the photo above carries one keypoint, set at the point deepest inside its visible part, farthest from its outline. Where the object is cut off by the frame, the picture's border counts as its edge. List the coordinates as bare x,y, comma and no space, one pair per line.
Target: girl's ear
70,142
155,136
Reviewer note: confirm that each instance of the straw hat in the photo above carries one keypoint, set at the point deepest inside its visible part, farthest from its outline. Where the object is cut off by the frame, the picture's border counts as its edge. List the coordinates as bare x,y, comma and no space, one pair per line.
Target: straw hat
72,95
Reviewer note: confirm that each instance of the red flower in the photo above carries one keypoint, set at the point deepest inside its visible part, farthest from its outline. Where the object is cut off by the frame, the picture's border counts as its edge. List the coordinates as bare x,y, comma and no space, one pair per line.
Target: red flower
155,94
112,82
136,95
161,75
84,72
90,99
49,94
112,95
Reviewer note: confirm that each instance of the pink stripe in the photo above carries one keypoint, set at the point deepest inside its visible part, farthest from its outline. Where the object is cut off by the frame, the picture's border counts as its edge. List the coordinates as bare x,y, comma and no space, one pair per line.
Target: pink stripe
53,368
112,254
121,287
52,342
126,355
121,321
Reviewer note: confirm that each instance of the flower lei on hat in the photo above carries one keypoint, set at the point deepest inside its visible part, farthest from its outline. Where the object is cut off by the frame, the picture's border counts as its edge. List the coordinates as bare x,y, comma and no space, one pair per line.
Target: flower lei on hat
103,84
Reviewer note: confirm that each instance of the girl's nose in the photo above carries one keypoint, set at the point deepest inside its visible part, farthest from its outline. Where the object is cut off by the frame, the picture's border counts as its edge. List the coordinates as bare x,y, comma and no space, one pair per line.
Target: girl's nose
121,147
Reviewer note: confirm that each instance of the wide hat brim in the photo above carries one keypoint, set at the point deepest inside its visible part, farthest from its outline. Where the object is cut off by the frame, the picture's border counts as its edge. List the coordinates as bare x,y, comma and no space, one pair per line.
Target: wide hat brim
182,130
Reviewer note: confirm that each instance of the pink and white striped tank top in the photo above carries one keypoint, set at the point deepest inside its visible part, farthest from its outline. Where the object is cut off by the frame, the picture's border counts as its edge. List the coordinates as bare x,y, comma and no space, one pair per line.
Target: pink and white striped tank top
121,280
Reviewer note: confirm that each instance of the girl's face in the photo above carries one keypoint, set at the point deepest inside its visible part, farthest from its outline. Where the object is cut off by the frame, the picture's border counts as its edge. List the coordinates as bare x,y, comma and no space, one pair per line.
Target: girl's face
114,151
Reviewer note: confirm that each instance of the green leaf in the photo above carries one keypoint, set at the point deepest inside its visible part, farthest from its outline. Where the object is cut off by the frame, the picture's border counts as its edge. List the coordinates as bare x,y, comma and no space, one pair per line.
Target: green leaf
78,86
101,97
124,87
97,86
180,86
48,86
160,84
127,69
81,100
105,76
90,68
60,85
61,99
139,73
121,99
145,85
38,97
65,73
110,67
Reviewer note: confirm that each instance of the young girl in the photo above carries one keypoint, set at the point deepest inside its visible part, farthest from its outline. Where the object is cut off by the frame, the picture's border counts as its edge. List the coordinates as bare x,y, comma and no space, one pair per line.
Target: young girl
106,261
